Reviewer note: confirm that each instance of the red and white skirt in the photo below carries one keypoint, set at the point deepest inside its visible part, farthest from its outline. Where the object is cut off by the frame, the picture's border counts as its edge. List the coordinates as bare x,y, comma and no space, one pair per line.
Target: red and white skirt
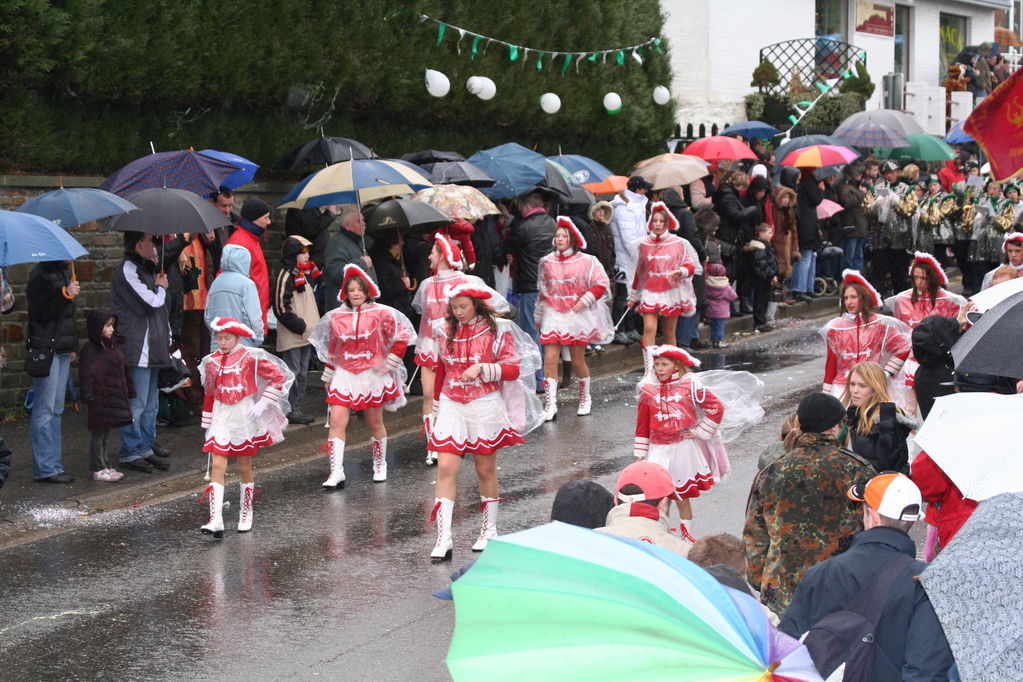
480,427
679,301
686,463
426,352
233,433
363,390
576,329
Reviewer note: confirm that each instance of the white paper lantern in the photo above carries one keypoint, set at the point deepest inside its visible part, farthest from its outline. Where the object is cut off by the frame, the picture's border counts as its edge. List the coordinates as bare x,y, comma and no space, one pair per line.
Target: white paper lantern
661,95
473,85
613,102
437,84
487,88
550,103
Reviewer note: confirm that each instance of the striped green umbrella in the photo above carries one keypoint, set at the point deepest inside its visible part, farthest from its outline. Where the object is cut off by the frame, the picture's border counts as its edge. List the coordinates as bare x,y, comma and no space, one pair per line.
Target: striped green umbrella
566,603
922,147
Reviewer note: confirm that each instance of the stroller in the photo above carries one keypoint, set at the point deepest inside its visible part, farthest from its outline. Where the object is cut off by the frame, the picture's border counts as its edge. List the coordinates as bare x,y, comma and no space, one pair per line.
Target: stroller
829,270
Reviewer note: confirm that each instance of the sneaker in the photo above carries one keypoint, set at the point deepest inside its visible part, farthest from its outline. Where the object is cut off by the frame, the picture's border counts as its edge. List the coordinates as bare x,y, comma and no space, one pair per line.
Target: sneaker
115,475
597,348
764,328
634,335
103,475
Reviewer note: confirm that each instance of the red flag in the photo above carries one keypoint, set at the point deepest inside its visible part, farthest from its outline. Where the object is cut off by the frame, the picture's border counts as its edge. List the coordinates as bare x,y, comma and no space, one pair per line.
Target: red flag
997,126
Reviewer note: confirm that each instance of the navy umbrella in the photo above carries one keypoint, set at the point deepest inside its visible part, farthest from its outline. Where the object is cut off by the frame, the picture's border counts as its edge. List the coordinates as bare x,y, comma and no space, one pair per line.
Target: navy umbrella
515,168
186,169
76,206
751,130
582,168
27,238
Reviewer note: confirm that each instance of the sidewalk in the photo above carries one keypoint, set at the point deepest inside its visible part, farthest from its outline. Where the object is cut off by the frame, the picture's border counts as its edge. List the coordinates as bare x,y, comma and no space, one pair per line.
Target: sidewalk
27,507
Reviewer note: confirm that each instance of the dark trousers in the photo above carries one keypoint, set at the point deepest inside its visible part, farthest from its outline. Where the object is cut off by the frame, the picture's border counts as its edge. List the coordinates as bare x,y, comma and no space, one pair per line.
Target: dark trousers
98,450
890,264
632,321
297,360
761,297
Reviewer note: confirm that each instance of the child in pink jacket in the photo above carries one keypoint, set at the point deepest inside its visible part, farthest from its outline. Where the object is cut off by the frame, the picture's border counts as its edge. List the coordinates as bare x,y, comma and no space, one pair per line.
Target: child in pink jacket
720,295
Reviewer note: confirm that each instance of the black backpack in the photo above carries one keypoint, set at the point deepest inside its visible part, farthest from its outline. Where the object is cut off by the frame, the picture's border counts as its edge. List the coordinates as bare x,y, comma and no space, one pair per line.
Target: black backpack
846,637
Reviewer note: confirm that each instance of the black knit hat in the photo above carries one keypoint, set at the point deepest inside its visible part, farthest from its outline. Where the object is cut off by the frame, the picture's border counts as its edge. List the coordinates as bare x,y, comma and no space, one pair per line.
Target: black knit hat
254,208
637,183
818,412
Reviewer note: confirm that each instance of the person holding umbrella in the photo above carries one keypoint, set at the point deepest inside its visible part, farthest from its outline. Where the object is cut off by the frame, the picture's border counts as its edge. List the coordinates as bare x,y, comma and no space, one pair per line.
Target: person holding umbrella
347,247
51,294
255,218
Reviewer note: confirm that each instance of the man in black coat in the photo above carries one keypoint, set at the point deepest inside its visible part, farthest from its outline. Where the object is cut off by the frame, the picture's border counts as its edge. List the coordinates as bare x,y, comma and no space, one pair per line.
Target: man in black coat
910,644
809,195
51,297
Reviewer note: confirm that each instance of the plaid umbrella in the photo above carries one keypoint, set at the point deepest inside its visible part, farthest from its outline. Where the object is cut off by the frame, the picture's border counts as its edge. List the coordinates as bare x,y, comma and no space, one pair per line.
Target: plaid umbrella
870,134
185,169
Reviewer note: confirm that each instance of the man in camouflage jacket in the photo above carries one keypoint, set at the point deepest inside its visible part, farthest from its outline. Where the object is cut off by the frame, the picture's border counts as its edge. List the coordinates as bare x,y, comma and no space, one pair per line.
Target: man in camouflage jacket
798,513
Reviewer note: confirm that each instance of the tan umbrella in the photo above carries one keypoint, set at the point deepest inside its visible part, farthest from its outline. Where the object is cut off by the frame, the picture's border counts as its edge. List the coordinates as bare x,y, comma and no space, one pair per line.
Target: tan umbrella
668,157
664,174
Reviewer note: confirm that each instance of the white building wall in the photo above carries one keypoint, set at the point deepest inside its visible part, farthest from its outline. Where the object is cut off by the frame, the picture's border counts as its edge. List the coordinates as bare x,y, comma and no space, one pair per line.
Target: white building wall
924,37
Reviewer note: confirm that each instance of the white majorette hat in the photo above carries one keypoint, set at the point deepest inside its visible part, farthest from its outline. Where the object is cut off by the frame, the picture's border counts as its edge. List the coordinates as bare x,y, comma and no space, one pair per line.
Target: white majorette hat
673,352
229,325
353,270
573,232
854,277
468,289
921,258
449,249
661,206
1012,238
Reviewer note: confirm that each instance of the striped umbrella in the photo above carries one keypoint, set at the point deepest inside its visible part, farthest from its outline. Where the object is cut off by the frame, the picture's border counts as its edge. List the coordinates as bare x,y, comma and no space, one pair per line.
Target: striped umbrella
870,134
819,155
563,602
355,182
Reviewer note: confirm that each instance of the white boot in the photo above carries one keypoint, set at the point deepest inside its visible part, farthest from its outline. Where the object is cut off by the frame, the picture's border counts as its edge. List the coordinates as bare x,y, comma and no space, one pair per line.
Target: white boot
648,362
585,404
431,456
442,510
489,508
247,492
378,448
335,449
215,526
550,399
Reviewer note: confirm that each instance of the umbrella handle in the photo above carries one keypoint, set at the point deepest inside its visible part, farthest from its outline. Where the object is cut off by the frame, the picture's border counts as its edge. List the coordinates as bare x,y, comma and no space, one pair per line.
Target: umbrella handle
74,278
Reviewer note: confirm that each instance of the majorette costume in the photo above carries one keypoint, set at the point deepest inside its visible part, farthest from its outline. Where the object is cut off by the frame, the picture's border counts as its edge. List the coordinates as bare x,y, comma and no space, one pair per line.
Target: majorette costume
482,416
1015,238
852,340
565,279
246,400
657,285
946,304
361,349
432,302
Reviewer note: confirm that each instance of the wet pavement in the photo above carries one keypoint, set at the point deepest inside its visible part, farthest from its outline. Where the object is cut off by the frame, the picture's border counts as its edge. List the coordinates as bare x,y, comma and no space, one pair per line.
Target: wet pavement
336,585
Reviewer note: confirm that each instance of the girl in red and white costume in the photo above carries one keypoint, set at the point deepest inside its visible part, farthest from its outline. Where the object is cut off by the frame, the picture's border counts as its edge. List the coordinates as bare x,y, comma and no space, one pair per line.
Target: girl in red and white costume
663,285
246,396
860,334
485,400
432,302
676,414
361,344
928,295
571,310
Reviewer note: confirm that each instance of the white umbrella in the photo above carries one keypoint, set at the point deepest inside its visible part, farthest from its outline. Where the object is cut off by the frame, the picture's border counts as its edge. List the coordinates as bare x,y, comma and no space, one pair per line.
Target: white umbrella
975,438
988,298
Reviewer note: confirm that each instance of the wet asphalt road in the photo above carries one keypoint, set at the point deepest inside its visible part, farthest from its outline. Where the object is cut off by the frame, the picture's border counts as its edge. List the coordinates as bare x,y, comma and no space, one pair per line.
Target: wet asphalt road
330,585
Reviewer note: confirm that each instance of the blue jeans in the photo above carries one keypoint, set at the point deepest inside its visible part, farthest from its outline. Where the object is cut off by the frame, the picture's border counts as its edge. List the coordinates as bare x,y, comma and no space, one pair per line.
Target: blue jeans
717,328
527,307
804,271
137,438
852,253
687,329
47,409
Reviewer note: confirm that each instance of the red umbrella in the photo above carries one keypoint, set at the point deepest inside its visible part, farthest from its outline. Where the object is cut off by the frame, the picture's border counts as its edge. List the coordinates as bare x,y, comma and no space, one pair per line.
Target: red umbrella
720,148
819,155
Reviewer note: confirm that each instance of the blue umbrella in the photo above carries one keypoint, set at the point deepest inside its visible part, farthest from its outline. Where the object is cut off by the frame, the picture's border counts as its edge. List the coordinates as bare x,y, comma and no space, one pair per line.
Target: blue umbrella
751,130
76,206
583,169
515,168
184,169
27,238
245,174
956,135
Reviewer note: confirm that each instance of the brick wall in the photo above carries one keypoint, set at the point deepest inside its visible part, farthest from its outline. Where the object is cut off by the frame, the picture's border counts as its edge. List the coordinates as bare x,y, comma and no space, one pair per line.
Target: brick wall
94,271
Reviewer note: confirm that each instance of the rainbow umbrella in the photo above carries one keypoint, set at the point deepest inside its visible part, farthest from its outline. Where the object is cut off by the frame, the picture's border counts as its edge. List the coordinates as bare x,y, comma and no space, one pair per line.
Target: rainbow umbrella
563,602
819,155
719,148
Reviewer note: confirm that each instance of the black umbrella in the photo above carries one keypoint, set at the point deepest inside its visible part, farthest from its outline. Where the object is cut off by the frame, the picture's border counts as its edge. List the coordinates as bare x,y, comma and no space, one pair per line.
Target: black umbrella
991,346
407,215
325,151
431,156
165,211
458,173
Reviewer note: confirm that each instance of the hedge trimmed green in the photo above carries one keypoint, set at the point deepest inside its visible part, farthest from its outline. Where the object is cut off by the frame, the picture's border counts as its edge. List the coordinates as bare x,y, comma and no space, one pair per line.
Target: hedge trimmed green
89,83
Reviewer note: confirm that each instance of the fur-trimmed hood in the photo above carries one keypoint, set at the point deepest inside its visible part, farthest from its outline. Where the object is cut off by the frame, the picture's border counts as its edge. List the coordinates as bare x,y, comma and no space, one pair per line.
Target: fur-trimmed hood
605,205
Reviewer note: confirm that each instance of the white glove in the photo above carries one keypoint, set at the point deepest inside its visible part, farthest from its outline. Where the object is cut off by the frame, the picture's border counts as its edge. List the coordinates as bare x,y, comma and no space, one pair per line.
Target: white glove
257,409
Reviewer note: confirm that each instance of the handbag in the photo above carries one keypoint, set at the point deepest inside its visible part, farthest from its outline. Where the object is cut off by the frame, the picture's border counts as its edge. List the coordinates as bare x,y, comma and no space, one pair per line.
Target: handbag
39,360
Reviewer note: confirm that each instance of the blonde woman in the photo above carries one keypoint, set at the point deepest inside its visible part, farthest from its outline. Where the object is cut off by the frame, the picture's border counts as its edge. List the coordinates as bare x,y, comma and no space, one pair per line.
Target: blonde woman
877,428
